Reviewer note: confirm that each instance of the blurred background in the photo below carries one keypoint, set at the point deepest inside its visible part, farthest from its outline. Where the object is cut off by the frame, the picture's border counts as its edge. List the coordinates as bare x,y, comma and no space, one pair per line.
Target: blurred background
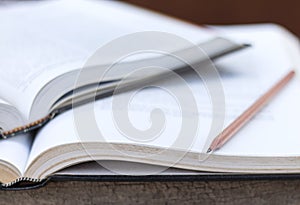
284,12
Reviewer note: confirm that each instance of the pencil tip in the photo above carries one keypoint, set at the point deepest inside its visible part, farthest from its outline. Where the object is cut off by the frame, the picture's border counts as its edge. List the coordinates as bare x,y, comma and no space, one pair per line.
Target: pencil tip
209,150
247,45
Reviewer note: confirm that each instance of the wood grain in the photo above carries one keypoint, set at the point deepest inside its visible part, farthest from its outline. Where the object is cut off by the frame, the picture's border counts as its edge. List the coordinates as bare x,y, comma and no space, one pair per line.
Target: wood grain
204,192
285,13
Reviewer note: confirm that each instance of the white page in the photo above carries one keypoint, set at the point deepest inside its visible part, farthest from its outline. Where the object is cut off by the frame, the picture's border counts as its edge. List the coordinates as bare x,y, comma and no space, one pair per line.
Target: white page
277,133
246,75
15,150
39,41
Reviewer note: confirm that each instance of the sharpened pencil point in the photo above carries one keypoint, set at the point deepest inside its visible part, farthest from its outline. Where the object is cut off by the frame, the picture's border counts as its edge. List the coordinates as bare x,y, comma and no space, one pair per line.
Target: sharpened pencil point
209,150
246,45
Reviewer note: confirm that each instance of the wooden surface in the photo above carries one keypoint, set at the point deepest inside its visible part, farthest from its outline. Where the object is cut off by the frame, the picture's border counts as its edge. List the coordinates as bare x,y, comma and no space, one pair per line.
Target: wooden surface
221,192
282,12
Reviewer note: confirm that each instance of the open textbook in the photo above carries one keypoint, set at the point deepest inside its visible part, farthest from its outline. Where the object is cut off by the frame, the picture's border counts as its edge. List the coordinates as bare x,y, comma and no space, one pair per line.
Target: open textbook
44,53
39,73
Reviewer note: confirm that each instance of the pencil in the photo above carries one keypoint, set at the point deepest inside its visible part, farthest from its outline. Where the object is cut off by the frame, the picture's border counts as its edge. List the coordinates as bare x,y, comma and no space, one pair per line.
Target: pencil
247,115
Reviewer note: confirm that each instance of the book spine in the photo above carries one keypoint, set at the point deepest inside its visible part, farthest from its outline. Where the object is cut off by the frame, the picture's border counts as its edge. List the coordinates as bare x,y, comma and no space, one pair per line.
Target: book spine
21,179
27,128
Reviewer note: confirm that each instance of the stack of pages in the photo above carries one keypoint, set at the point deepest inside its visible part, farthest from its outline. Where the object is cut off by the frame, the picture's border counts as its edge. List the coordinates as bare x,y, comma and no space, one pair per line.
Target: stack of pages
43,51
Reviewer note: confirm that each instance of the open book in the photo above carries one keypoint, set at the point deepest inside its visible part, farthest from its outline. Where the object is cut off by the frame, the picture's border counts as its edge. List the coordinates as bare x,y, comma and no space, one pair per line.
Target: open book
40,71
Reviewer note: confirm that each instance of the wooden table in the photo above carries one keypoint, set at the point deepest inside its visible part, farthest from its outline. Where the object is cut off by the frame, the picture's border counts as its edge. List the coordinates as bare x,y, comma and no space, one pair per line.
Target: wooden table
204,192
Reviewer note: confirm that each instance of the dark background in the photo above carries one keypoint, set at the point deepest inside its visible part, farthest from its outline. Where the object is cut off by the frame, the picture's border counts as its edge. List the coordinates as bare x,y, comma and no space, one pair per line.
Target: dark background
284,12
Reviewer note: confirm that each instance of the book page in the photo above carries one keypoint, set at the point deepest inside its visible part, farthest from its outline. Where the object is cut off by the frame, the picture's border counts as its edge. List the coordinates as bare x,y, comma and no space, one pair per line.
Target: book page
16,149
246,75
277,133
44,39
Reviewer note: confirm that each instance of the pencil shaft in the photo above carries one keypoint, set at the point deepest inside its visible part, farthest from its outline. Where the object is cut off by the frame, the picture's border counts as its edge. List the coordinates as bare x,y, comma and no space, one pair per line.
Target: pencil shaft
245,117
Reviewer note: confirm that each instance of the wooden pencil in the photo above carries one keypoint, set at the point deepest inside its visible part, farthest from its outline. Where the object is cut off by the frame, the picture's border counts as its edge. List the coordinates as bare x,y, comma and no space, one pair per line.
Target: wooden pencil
246,116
